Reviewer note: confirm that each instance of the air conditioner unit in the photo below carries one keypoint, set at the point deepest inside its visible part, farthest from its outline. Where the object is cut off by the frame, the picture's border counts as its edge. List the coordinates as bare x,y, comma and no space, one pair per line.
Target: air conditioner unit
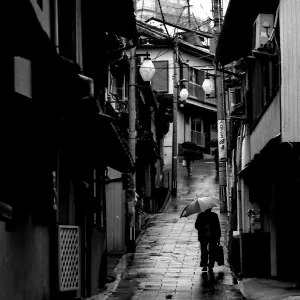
262,29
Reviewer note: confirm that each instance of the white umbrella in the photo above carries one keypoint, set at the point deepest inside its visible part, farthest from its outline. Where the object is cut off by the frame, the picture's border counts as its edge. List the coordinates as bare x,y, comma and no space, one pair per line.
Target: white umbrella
200,204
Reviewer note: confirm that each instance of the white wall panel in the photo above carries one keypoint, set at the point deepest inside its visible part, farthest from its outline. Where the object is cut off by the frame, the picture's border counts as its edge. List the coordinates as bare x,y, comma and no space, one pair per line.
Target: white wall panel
290,68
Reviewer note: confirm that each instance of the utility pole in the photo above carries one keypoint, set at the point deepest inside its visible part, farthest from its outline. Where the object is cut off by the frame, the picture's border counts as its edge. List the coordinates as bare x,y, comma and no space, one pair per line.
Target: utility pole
189,13
222,138
130,193
175,109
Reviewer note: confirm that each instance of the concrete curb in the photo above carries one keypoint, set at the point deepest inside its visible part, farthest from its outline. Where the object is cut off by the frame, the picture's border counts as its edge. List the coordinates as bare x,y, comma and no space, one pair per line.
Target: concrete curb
166,201
268,289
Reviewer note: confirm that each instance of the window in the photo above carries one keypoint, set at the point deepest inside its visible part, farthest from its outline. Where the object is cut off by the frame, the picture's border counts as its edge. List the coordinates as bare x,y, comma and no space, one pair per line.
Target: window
160,80
193,75
264,74
264,84
195,79
197,125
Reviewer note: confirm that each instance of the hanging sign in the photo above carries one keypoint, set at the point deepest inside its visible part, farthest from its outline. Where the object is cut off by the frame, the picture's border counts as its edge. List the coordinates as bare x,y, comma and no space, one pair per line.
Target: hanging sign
222,143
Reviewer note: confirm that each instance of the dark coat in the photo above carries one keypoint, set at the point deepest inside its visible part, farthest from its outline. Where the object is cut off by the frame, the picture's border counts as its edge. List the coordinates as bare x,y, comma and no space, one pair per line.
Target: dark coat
208,226
189,155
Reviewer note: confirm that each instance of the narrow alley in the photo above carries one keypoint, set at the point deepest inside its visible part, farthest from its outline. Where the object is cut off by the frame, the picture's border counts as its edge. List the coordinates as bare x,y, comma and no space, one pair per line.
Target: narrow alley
166,264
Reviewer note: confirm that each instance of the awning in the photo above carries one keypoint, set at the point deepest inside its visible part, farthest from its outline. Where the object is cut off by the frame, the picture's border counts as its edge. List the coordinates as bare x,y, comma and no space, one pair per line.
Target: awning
201,105
235,40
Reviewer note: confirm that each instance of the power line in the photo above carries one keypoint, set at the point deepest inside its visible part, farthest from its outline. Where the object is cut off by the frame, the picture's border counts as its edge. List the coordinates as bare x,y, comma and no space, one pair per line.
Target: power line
204,11
172,67
163,18
160,54
142,10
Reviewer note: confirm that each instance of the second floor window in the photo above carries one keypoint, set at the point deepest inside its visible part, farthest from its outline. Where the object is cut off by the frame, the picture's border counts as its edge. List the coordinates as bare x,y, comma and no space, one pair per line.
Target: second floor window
264,84
195,79
193,75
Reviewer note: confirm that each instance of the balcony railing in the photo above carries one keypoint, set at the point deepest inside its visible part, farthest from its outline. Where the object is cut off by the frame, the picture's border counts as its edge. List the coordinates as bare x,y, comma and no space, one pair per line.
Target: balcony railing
211,100
198,138
196,91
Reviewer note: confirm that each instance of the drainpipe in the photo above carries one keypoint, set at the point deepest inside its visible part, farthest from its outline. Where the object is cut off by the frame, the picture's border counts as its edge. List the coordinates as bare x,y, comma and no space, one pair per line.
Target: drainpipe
53,228
91,83
175,112
239,202
239,208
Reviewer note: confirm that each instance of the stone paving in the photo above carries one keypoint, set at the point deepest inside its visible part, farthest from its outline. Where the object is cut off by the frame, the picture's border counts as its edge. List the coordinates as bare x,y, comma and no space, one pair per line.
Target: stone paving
166,263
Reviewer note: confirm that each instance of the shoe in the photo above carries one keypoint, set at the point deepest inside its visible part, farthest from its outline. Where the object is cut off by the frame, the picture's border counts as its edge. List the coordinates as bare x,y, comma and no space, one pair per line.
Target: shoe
204,269
190,174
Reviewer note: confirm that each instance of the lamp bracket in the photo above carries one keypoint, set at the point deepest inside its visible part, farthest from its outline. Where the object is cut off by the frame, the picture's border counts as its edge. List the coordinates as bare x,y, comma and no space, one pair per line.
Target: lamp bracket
142,54
242,117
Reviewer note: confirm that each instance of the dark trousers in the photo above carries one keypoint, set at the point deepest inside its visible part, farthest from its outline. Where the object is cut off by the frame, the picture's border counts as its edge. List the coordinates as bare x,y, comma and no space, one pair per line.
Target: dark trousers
208,251
189,165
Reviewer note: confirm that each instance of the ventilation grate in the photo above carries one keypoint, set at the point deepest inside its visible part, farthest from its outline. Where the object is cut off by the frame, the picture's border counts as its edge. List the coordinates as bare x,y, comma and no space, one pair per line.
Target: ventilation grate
68,258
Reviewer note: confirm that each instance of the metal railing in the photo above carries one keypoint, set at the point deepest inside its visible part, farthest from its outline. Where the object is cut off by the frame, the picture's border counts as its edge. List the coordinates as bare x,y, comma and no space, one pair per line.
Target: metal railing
196,91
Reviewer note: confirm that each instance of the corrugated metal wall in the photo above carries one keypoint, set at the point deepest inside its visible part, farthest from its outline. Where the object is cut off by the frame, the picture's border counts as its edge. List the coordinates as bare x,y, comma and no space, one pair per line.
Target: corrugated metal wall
267,128
115,214
290,66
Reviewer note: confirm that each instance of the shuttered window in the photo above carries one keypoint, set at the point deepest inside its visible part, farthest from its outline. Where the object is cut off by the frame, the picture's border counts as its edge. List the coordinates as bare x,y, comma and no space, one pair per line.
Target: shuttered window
160,79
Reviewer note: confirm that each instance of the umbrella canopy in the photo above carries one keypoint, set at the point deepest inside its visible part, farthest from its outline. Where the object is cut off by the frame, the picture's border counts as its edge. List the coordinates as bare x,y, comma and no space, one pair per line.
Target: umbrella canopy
192,151
190,146
200,204
213,143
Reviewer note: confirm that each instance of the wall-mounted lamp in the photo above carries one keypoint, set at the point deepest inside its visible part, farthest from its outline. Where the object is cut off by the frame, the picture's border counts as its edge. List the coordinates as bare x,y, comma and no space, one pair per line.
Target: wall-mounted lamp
147,69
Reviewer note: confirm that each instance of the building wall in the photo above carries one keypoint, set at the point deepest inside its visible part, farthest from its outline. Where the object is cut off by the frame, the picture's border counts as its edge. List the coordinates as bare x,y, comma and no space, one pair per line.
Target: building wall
23,76
42,11
290,69
24,262
115,214
25,252
267,128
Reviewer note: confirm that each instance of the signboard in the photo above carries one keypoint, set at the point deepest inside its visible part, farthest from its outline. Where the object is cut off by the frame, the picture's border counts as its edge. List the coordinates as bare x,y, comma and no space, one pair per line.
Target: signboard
222,143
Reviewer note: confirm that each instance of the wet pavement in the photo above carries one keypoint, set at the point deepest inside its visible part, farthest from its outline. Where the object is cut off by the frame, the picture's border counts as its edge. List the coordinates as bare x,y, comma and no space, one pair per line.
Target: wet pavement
166,263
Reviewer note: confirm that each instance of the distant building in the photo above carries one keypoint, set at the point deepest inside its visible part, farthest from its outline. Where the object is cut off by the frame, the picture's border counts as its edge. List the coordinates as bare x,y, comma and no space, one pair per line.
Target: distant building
175,11
197,117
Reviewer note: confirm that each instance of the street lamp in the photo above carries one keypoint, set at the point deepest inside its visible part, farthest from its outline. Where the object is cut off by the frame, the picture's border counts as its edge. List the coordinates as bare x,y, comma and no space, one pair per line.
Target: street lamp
184,94
207,85
147,69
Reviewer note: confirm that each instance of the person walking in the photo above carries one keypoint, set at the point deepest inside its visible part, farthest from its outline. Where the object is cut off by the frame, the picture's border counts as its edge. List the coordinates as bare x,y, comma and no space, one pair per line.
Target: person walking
189,158
209,234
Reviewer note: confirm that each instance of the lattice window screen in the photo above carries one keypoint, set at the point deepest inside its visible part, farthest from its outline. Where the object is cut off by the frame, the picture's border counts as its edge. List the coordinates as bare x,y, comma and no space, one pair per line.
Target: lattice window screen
68,257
